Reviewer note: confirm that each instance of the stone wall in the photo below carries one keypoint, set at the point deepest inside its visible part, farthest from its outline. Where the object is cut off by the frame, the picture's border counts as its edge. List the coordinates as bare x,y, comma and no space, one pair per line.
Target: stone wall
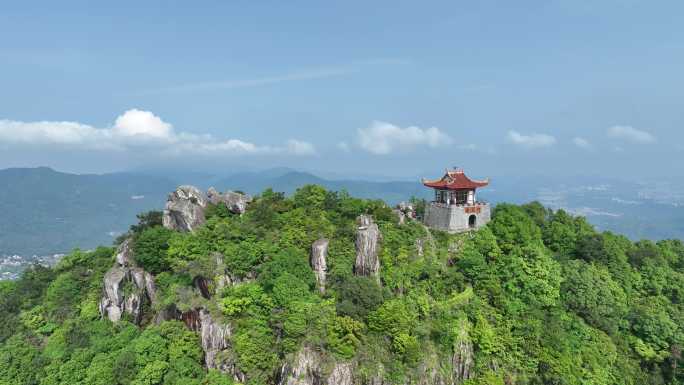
455,218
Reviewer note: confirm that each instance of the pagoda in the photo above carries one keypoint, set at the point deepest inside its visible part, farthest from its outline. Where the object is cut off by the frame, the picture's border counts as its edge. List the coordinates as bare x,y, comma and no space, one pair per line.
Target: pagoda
455,207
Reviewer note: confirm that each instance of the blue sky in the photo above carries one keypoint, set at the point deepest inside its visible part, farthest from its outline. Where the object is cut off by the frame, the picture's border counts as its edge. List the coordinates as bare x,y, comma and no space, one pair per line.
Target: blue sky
397,89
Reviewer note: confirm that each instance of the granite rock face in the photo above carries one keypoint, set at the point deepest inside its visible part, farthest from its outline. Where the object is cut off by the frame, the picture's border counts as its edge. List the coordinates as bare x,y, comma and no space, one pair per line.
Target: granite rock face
462,359
215,337
401,217
318,261
408,209
429,372
124,254
307,366
341,374
224,278
304,370
115,300
236,202
184,209
367,239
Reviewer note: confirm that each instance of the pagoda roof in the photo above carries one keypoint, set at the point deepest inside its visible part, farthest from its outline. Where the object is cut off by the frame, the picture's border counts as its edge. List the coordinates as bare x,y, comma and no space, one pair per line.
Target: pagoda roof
455,180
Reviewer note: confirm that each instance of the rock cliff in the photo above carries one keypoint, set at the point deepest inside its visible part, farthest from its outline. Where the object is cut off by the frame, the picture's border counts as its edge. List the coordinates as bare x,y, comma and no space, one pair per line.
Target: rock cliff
236,202
304,370
215,338
185,207
307,369
367,239
126,287
318,261
462,359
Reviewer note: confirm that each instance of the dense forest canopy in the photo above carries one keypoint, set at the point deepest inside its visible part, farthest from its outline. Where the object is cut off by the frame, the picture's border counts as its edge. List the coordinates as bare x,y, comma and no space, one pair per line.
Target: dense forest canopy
536,297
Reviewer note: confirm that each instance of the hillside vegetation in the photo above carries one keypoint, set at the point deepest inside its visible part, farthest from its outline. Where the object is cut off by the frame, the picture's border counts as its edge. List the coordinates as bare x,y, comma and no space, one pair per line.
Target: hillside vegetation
536,297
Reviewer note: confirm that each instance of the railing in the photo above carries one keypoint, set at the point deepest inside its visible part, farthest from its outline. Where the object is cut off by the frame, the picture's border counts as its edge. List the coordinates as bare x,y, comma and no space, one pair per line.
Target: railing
440,204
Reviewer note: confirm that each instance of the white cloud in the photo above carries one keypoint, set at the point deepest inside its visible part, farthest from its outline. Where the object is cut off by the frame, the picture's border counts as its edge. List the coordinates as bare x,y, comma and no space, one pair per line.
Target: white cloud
382,138
142,124
298,147
581,143
136,128
532,140
48,133
343,146
631,134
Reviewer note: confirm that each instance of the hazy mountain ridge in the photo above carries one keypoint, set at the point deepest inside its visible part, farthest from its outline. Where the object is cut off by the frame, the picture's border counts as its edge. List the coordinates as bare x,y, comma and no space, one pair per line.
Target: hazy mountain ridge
47,212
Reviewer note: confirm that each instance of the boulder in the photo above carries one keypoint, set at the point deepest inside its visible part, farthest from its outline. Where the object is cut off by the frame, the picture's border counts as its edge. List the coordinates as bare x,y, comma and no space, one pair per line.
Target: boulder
115,300
318,261
184,209
367,238
236,202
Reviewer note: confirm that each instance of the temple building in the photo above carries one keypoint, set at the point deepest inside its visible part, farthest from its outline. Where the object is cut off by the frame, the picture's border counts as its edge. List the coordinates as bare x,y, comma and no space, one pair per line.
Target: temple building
455,207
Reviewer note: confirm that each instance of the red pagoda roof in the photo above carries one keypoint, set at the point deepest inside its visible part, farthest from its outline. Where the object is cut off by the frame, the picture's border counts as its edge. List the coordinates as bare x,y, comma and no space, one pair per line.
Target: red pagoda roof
455,180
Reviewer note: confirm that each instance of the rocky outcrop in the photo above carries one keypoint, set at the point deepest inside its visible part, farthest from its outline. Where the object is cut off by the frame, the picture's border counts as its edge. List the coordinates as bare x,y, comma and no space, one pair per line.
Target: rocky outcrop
203,286
429,372
112,303
235,201
318,261
186,206
215,339
462,359
119,297
214,336
378,378
184,209
341,374
401,217
124,254
304,370
367,239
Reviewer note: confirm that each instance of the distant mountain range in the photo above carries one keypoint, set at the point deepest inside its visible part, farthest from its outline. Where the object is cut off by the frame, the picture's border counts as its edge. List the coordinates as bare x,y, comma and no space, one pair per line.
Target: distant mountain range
43,211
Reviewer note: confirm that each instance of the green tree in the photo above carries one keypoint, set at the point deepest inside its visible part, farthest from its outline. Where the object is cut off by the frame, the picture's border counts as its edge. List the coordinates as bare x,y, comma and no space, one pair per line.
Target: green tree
150,248
513,227
590,291
357,297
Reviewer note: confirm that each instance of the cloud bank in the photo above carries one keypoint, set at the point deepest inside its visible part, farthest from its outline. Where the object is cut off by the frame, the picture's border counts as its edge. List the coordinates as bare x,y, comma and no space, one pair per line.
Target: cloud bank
631,134
581,143
134,129
532,140
382,138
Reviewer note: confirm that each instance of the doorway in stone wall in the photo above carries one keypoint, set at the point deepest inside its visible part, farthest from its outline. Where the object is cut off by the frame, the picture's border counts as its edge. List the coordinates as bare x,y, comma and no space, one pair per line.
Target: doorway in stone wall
472,221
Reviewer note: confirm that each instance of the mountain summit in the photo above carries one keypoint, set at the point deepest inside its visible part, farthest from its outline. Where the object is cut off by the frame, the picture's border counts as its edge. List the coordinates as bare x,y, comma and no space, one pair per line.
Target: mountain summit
324,288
